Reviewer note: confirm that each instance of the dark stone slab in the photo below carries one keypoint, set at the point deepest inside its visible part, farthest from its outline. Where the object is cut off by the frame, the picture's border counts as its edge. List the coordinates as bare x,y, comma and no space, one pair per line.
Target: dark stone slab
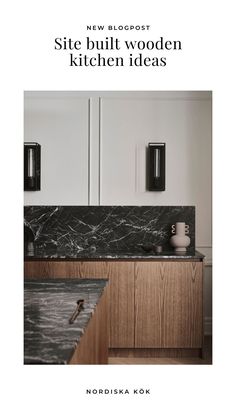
48,306
70,230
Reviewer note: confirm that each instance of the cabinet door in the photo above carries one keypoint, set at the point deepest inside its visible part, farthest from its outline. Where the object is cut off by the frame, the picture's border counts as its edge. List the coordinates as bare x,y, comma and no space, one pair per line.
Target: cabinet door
121,297
168,305
59,122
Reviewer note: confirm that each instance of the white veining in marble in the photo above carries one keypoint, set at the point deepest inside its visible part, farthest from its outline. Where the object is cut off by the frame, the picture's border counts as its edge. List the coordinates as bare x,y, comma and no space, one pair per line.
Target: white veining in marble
48,306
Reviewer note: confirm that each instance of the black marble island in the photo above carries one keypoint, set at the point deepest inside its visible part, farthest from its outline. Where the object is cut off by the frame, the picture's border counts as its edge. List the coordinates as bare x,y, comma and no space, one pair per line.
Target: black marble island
49,338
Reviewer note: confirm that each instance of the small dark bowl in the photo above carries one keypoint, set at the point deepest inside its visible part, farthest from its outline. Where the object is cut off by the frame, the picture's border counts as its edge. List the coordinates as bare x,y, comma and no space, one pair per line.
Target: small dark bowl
147,247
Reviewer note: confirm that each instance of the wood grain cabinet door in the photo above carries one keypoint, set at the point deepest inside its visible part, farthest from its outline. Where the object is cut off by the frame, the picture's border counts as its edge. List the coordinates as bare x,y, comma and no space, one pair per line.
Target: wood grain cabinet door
121,298
168,304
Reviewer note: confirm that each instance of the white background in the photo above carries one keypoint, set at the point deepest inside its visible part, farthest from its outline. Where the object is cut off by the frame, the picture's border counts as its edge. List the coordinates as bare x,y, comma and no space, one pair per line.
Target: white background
28,62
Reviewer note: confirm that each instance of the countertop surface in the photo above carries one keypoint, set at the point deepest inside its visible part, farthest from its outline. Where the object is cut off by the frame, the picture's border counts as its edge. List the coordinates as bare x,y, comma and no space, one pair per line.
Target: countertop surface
49,338
93,254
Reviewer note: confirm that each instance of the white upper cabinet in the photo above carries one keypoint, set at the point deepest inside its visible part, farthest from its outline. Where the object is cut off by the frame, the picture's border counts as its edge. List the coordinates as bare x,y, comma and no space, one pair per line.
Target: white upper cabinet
59,122
182,120
129,124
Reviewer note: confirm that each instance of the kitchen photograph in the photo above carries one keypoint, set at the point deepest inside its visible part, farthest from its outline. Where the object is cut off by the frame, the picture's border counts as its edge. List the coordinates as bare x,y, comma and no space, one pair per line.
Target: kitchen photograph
118,227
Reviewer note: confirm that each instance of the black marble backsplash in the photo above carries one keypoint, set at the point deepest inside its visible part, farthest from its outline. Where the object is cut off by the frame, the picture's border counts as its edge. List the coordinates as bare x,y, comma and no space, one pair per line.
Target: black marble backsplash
74,229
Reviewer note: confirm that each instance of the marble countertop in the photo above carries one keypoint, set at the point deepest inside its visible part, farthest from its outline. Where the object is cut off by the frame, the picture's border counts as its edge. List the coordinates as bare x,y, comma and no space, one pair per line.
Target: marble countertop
49,338
93,254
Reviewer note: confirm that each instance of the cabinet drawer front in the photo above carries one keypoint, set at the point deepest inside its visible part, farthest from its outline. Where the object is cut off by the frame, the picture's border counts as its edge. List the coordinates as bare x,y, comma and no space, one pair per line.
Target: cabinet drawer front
168,305
61,269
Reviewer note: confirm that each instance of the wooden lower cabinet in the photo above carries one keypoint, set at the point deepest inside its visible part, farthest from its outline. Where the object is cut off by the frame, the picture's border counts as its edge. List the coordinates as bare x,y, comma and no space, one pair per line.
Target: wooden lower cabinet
168,305
121,296
151,304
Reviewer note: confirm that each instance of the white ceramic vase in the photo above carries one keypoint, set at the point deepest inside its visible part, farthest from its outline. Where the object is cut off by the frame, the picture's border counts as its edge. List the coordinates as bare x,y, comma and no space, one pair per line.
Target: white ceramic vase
180,241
